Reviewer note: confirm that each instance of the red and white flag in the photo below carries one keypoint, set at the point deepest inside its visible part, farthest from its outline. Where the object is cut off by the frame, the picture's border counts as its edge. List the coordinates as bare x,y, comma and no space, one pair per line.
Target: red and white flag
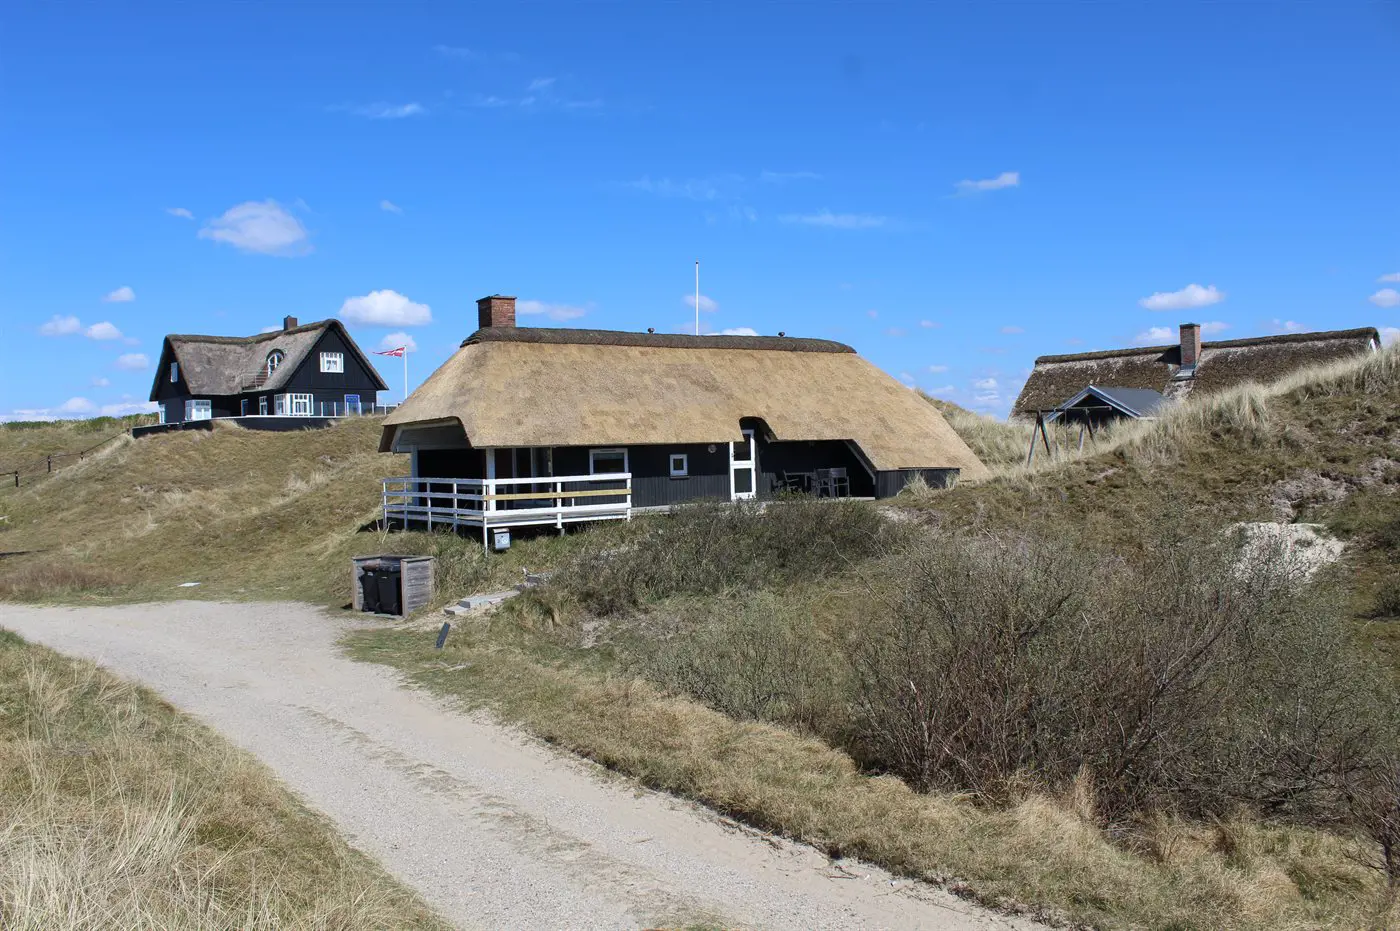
393,352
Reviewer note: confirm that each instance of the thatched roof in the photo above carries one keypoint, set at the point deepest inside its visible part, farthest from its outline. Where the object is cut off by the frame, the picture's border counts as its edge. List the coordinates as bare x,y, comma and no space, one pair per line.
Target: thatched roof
1222,364
226,365
512,387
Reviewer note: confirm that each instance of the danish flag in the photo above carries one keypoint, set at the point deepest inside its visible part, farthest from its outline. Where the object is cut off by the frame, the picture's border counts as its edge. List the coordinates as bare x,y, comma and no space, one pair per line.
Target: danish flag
393,352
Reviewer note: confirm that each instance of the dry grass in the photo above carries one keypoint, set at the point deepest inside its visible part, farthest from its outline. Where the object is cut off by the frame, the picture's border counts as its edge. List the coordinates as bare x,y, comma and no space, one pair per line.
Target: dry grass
117,812
1039,849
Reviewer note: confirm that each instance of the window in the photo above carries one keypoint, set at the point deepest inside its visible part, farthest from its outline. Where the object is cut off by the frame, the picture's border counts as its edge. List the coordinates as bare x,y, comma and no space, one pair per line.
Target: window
243,407
279,404
262,405
352,403
274,359
174,372
680,465
606,461
196,409
332,362
301,405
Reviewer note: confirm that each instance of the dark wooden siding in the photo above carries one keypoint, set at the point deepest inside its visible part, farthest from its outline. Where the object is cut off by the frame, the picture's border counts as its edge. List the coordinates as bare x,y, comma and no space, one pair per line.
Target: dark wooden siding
450,463
332,386
891,482
808,456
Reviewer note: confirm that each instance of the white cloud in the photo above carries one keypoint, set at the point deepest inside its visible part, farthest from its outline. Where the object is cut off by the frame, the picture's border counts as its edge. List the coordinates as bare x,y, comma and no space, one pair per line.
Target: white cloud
129,407
1389,335
711,188
389,111
259,226
943,389
929,324
896,332
395,340
837,221
385,308
103,331
936,369
1004,180
540,84
390,206
100,382
77,406
180,212
739,331
1392,277
707,303
1193,295
122,295
132,362
1287,326
782,177
60,326
270,329
552,311
1385,297
1154,335
985,384
1012,330
1214,326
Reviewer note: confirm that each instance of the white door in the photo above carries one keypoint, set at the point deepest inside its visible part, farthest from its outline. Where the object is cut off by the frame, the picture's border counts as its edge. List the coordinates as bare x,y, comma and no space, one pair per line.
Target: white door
743,468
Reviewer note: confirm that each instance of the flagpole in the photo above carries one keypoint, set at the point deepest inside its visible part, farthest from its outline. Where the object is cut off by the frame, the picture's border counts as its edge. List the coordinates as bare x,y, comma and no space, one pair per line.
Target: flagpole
405,373
697,297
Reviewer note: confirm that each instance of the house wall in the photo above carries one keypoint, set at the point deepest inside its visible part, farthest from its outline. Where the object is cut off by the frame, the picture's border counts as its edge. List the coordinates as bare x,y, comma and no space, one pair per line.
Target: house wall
891,482
332,386
807,456
652,484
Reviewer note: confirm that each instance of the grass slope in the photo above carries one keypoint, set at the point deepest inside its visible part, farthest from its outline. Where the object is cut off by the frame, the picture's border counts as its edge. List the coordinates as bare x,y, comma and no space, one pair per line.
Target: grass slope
118,812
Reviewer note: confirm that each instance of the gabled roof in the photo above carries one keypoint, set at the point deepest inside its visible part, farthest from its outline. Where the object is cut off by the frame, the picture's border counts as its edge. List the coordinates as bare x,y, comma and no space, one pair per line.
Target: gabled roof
227,365
517,386
1222,364
1131,402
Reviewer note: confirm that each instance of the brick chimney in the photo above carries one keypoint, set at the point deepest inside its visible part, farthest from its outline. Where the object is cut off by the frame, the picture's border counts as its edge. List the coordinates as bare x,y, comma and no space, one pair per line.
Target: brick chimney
288,323
496,310
1190,344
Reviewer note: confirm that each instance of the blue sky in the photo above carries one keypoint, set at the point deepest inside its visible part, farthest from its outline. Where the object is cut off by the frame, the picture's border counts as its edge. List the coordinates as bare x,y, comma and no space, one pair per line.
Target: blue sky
952,189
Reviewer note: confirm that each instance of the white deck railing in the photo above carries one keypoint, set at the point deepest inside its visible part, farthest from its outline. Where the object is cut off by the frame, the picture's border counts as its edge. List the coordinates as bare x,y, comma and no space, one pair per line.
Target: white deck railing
507,502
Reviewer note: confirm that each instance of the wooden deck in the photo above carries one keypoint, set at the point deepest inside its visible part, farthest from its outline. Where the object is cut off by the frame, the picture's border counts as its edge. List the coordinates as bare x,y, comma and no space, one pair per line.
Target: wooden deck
553,500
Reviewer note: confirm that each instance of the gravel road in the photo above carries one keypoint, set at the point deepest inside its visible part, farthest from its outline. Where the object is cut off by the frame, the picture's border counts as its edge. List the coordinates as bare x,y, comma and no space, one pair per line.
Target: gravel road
492,828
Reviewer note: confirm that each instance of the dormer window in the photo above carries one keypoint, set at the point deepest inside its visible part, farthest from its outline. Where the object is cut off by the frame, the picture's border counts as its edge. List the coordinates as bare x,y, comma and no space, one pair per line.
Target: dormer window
274,359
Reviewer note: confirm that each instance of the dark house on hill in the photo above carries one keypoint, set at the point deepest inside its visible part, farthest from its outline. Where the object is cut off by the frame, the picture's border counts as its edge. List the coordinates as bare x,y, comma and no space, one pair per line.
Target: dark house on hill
549,426
1141,382
294,377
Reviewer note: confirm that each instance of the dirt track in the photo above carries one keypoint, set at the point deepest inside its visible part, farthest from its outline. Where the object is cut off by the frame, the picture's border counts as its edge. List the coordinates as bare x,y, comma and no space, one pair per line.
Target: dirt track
494,829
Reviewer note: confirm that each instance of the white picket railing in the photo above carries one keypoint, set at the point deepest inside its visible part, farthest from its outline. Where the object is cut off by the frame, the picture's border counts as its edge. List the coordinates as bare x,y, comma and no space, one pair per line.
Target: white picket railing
507,502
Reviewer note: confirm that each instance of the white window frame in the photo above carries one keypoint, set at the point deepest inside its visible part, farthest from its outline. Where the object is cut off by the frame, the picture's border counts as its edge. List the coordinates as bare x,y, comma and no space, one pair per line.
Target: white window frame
333,362
280,404
593,455
174,372
262,405
302,405
684,470
279,356
194,405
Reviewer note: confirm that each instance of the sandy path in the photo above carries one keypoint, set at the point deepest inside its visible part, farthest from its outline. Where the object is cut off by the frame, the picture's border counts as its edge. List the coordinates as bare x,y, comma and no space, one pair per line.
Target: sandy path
494,829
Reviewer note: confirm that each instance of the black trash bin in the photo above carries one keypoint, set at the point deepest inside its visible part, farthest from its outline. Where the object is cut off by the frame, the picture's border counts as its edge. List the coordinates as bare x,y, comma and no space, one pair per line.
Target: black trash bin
369,590
390,599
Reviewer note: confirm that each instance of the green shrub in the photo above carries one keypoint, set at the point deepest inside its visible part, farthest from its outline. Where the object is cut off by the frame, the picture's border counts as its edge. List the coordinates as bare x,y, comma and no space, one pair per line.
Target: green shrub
722,547
1386,601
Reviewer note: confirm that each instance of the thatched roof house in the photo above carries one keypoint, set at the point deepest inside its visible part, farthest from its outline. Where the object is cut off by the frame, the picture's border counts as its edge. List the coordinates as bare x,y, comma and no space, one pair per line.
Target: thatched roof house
688,416
302,370
1188,367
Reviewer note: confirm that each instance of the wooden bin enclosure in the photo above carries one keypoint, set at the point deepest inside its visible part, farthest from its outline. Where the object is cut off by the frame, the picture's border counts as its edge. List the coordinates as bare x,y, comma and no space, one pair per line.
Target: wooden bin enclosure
415,575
